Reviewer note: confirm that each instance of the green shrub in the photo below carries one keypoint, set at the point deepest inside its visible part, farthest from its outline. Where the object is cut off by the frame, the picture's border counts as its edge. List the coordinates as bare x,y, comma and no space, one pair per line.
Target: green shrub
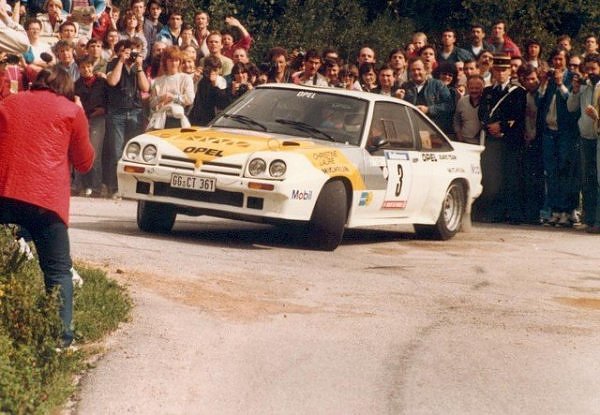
35,376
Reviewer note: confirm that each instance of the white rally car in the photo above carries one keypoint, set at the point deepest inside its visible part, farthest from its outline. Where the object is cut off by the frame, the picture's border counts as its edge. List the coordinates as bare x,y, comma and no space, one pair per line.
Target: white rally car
321,158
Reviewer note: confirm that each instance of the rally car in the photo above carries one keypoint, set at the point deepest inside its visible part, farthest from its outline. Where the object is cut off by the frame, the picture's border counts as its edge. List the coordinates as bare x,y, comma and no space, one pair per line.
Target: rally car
318,160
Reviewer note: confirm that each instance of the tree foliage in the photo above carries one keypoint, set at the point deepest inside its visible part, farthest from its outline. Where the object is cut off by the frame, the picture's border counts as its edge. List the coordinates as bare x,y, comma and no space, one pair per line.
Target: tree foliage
386,24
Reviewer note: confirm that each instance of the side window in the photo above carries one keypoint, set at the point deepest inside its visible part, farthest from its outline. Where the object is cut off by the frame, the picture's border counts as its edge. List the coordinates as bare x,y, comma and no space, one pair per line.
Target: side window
391,122
431,139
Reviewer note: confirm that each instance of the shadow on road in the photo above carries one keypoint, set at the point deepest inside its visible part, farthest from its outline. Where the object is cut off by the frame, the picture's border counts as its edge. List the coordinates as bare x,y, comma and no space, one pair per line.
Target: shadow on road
241,235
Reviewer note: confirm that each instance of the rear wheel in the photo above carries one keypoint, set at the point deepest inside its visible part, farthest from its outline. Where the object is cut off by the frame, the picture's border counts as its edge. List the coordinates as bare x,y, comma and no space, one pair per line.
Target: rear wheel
155,217
326,227
450,219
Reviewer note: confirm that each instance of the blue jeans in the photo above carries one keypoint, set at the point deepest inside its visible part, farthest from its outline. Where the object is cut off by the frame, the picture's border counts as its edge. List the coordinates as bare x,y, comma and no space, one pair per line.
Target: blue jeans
590,156
560,165
51,238
121,125
93,178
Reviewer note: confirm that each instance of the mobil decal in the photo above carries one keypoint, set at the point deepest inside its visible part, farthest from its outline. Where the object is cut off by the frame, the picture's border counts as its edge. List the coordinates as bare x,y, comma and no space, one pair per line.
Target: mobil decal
302,194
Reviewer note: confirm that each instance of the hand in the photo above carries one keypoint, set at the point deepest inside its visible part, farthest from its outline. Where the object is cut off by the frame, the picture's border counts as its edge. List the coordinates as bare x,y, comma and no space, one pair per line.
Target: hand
591,112
88,19
124,55
77,101
197,74
576,84
97,112
400,93
213,78
166,99
232,21
423,109
558,77
494,129
3,12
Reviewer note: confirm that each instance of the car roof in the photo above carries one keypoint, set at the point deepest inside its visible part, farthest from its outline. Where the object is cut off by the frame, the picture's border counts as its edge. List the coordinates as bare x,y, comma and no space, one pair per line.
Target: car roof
369,96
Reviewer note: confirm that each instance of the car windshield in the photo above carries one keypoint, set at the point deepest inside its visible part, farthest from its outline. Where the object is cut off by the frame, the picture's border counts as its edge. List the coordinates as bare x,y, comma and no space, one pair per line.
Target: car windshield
320,115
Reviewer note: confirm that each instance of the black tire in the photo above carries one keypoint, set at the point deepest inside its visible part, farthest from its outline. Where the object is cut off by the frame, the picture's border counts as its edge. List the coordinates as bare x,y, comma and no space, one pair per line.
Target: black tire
155,217
326,227
450,219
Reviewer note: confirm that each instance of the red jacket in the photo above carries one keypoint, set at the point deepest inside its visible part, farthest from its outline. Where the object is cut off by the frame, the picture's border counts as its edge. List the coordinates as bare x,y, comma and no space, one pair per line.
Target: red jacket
41,134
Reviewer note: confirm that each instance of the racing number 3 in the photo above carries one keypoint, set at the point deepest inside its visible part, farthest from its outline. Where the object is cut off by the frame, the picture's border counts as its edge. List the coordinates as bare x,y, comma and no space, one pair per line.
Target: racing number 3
400,176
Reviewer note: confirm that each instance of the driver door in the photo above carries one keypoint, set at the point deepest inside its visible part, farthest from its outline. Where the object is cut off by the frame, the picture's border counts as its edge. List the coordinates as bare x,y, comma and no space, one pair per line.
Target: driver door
393,171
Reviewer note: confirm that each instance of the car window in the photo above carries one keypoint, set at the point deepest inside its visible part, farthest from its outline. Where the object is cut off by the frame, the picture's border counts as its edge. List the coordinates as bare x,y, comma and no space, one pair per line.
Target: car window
391,122
430,138
319,115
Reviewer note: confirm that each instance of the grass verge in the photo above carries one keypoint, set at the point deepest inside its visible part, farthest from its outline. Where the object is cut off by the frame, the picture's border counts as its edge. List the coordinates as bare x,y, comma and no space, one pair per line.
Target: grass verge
36,378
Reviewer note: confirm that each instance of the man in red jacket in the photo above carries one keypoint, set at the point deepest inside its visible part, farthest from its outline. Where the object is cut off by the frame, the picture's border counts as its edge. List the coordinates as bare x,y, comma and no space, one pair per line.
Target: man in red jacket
43,132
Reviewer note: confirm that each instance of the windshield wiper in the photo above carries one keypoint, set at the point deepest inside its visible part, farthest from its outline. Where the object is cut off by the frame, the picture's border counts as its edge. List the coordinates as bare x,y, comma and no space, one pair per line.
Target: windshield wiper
304,127
245,120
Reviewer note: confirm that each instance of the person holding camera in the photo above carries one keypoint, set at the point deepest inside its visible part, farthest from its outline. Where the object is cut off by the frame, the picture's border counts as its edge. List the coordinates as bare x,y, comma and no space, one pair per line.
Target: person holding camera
132,28
35,174
211,95
124,119
240,83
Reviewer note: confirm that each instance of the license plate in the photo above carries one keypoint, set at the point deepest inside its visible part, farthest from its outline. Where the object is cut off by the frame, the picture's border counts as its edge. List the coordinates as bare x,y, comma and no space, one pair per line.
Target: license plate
204,184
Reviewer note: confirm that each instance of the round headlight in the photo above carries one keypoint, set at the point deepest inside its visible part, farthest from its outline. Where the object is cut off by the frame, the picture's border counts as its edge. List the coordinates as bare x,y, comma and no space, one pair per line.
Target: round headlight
149,153
257,167
277,168
132,152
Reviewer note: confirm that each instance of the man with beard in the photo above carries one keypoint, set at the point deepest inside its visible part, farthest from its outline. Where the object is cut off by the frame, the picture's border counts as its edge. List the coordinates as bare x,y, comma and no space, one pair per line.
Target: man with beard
584,99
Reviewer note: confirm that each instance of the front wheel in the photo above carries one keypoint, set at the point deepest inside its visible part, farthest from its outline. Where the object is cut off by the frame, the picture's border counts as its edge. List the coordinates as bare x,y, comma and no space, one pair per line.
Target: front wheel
326,226
155,217
450,219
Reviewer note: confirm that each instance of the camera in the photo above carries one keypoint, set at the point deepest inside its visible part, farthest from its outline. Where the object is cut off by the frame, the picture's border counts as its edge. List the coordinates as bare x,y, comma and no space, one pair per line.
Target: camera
133,55
46,57
10,60
266,67
243,89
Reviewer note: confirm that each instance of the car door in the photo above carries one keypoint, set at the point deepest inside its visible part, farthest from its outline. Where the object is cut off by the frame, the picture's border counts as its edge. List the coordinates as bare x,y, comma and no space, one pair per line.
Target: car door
392,164
436,162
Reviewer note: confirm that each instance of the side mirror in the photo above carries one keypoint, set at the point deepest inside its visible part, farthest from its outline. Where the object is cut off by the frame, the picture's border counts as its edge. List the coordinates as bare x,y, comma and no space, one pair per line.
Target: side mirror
376,143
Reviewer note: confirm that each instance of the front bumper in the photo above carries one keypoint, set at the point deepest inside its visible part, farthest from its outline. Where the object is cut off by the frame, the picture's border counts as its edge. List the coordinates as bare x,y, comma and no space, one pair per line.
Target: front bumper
233,196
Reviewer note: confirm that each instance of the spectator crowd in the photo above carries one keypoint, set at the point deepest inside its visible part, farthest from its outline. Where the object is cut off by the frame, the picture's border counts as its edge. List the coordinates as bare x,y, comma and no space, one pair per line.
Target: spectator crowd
536,112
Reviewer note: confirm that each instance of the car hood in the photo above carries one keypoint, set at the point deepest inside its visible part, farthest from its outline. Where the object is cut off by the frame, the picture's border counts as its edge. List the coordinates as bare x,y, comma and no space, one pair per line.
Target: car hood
206,144
215,146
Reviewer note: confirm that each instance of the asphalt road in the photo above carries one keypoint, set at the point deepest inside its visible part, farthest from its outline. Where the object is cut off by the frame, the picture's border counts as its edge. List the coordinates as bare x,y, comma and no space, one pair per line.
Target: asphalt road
231,318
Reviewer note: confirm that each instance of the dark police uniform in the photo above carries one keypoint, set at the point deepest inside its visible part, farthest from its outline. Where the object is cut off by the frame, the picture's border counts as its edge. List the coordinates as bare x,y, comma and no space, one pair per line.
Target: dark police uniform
501,161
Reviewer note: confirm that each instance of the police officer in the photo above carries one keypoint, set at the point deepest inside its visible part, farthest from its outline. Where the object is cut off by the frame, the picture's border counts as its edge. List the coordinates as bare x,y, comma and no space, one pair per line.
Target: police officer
502,114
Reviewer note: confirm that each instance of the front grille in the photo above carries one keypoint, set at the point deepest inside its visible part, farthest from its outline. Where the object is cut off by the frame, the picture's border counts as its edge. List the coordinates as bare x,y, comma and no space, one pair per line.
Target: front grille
216,167
176,162
221,197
